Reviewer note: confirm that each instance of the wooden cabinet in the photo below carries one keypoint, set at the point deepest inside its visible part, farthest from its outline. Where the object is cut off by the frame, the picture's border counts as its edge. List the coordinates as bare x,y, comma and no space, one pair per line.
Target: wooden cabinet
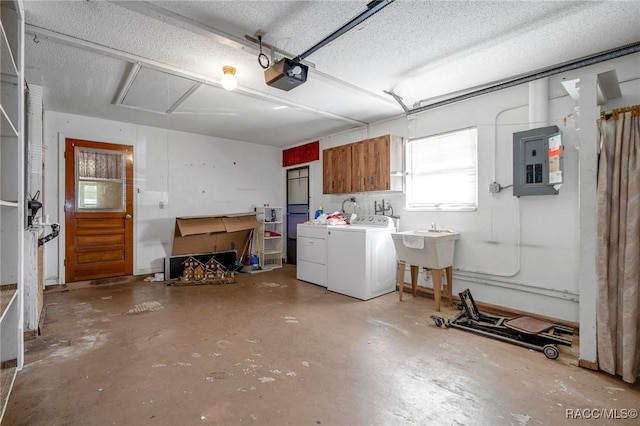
374,164
371,169
336,169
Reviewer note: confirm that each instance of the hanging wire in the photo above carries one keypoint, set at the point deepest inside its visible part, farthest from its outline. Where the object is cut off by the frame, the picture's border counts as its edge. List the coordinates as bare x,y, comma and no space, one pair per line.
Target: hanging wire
263,59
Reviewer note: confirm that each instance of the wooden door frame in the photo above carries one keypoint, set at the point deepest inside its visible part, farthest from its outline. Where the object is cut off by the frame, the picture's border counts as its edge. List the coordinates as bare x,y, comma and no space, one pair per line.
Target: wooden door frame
62,138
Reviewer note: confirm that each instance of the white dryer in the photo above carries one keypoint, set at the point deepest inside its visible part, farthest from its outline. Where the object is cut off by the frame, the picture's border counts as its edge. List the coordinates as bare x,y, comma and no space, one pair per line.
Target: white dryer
311,260
361,257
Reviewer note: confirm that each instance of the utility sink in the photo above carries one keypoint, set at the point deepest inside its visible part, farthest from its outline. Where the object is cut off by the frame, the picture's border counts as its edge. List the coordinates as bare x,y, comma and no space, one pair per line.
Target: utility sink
431,232
428,248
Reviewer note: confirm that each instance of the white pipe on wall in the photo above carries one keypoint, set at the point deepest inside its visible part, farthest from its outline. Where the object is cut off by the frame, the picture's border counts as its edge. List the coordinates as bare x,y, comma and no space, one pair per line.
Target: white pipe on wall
539,103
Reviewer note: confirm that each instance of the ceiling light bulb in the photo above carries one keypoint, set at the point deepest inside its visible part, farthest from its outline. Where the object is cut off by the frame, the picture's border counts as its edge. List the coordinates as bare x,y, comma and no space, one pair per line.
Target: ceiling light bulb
229,80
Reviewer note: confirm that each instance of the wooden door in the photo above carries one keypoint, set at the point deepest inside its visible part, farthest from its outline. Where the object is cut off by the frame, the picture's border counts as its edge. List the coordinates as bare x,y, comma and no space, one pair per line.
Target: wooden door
371,164
336,170
98,210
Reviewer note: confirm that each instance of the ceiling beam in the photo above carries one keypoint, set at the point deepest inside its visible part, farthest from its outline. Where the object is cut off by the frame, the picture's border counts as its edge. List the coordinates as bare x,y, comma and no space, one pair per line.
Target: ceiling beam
188,24
532,76
247,44
160,66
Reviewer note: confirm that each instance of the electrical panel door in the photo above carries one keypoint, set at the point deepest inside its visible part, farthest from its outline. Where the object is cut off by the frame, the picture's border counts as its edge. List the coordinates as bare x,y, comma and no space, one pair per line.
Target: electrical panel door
537,161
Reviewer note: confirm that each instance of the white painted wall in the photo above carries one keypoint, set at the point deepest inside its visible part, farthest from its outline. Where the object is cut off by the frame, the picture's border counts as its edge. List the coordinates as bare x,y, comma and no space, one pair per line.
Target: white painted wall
523,253
191,175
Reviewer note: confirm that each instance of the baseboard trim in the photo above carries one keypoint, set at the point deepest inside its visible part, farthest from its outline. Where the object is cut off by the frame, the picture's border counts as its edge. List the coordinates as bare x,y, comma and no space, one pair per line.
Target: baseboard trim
29,335
32,334
496,310
588,364
95,283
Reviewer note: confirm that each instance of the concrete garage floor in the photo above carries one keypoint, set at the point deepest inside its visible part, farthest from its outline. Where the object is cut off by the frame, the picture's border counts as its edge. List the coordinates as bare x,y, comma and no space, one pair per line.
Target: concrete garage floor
273,350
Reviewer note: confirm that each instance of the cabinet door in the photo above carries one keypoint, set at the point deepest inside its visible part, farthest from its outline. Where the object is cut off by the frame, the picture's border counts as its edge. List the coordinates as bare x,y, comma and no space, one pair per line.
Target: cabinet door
336,170
371,164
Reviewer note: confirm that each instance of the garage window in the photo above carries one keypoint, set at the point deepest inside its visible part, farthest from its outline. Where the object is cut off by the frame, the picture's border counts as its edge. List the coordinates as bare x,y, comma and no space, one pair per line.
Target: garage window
442,171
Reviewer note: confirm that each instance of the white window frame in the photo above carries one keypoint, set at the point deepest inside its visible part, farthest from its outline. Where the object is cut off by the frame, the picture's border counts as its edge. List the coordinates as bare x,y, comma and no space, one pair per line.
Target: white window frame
466,171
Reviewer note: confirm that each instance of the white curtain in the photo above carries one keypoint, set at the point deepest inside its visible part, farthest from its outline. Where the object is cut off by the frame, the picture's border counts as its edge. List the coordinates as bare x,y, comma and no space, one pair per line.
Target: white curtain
99,164
618,245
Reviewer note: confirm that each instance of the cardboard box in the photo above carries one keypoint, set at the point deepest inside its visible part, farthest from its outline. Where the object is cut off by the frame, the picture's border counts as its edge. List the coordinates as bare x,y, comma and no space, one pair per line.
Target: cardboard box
211,234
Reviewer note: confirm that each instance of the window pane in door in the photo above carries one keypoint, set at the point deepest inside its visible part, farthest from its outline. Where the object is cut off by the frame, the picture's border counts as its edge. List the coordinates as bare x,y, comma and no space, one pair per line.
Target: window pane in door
100,180
298,186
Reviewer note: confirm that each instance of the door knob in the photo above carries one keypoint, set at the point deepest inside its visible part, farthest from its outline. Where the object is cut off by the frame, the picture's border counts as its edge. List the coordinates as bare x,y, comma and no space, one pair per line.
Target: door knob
128,216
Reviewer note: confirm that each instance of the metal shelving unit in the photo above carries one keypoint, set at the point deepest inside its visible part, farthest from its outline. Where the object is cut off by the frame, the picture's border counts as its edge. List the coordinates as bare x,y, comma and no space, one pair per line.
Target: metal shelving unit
11,195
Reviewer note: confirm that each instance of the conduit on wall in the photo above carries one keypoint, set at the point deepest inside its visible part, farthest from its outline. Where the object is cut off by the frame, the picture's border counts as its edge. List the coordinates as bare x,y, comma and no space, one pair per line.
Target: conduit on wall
536,75
538,117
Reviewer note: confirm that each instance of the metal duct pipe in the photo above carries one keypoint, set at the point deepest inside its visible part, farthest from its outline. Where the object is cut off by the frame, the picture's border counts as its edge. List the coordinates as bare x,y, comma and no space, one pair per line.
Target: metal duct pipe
545,72
372,8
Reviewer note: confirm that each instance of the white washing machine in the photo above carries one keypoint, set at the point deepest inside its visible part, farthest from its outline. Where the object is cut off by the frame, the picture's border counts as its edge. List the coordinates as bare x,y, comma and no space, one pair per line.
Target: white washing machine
361,257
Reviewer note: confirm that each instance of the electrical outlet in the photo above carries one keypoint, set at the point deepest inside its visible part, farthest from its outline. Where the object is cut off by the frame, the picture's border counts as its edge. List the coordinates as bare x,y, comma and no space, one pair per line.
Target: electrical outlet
494,187
161,204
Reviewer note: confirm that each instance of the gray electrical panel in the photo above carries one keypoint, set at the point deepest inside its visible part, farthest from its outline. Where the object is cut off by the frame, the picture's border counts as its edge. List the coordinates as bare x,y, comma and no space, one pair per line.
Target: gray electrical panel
537,161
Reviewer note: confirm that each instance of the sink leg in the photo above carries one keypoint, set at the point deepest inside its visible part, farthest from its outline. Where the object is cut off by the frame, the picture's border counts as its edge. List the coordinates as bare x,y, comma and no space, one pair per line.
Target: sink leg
400,279
449,288
436,276
414,279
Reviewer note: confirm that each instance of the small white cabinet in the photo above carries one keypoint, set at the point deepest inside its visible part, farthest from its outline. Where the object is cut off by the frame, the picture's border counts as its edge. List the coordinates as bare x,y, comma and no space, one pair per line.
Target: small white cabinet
270,237
311,262
11,195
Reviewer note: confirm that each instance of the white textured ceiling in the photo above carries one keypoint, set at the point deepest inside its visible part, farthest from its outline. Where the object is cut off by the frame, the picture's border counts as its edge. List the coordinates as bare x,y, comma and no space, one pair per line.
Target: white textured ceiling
81,52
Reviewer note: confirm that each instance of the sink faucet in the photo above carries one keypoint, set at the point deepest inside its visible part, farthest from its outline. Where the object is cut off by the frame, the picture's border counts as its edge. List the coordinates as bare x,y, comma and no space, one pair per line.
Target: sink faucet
383,209
433,226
